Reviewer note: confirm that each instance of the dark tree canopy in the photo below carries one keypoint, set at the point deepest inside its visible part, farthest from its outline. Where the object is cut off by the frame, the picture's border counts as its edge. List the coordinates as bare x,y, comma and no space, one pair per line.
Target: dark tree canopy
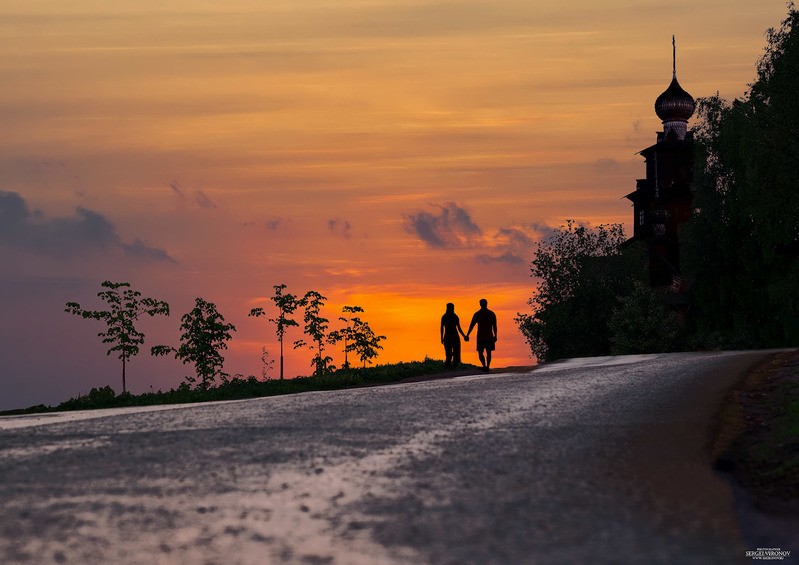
581,272
742,246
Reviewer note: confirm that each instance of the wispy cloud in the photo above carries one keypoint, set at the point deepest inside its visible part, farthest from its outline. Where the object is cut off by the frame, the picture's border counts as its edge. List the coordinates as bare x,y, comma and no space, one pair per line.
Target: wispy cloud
606,165
513,245
450,227
199,197
85,232
507,257
203,201
175,188
272,224
339,227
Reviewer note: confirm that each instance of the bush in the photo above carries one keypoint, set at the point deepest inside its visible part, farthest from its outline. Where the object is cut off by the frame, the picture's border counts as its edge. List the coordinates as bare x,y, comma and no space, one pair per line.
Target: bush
642,323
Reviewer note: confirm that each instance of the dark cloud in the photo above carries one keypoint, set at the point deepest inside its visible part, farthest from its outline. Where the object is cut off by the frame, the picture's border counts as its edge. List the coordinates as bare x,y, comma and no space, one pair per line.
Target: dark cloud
176,189
140,250
87,231
274,223
542,231
339,227
516,237
508,257
451,227
203,201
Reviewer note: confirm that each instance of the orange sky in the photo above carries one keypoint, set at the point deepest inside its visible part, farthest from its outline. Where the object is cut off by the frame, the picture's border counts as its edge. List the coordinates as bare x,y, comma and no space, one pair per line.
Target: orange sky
395,154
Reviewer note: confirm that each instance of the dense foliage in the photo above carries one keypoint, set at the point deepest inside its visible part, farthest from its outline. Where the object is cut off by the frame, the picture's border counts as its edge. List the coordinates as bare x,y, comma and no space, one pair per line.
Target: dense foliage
740,250
641,322
742,246
581,274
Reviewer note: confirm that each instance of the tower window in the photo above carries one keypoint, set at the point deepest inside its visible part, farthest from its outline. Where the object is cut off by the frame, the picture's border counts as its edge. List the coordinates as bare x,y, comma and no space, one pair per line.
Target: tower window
641,216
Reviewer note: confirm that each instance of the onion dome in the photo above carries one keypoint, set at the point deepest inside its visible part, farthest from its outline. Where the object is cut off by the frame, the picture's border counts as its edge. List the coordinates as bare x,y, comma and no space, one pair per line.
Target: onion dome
675,105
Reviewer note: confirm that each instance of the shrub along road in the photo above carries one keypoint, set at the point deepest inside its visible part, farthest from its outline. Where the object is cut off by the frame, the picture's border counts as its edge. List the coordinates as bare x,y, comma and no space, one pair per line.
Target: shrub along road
602,460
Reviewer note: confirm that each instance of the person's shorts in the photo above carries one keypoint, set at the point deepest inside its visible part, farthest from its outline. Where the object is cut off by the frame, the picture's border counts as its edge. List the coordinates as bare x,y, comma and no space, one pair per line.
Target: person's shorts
487,344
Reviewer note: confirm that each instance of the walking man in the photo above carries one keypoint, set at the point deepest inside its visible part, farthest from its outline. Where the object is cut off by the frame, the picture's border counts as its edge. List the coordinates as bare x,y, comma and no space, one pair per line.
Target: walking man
486,322
450,326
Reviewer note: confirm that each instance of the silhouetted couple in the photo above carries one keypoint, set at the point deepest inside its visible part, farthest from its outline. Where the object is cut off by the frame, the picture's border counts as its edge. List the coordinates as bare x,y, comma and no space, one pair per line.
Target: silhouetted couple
486,322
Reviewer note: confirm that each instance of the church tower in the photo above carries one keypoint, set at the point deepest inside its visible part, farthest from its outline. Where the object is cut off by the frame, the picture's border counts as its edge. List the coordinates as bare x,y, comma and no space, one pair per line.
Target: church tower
662,200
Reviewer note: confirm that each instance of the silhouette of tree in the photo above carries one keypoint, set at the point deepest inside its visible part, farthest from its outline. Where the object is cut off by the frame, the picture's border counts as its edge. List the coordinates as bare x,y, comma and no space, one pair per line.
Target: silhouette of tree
287,304
125,305
358,337
581,273
205,334
316,328
643,323
267,364
742,245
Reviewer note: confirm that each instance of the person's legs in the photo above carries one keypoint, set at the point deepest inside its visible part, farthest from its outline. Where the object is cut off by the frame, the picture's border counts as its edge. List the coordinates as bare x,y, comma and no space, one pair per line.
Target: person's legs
456,353
488,358
481,355
448,353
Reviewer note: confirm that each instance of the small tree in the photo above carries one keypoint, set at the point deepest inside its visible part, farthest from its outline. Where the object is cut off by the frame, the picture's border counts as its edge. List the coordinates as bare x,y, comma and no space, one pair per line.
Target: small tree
125,307
205,334
286,304
357,336
267,364
316,328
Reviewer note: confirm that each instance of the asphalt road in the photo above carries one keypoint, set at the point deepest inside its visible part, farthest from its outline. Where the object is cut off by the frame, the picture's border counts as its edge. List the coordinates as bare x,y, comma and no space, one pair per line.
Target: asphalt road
591,461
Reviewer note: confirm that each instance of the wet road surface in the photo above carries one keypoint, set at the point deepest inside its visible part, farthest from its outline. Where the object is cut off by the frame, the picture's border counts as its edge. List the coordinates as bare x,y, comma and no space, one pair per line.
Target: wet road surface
591,461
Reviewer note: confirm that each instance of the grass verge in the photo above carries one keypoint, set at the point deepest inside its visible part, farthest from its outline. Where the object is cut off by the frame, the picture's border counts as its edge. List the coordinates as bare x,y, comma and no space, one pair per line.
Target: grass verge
240,388
758,436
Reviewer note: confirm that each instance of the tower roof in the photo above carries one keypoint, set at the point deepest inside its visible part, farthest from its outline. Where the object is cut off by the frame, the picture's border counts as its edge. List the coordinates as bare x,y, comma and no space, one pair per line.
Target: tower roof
674,104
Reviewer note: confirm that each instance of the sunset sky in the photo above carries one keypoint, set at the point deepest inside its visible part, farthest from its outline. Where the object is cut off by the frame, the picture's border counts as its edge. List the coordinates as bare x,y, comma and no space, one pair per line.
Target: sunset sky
392,154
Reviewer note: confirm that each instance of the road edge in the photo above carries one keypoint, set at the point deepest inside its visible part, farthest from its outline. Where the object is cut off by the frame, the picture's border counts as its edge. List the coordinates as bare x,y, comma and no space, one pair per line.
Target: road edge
742,425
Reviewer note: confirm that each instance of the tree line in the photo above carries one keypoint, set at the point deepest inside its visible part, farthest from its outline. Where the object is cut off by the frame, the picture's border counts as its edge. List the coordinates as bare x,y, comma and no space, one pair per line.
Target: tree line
740,250
205,333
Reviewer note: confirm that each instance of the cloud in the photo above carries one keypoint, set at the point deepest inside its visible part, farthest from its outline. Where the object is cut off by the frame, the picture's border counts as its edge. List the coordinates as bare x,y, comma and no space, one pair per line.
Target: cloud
507,257
175,188
86,232
513,245
140,250
606,165
274,223
339,227
451,227
516,238
202,199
